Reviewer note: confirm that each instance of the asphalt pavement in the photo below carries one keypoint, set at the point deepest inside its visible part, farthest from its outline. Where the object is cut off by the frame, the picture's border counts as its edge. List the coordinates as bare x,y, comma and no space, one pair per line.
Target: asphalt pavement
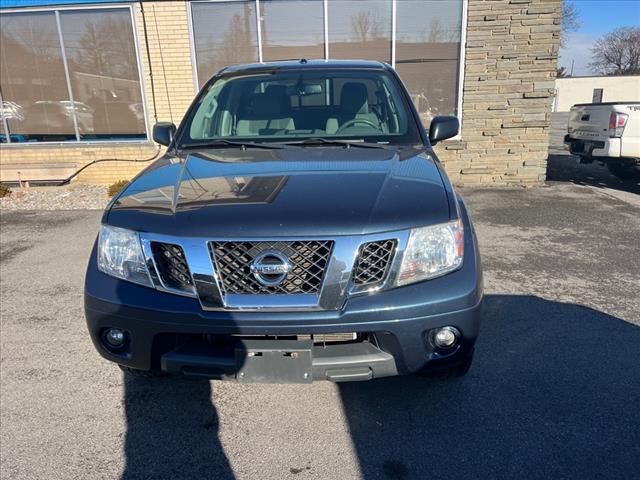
553,393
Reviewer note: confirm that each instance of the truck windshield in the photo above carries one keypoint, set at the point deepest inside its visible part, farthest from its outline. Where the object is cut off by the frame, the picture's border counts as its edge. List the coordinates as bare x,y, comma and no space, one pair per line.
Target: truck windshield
295,105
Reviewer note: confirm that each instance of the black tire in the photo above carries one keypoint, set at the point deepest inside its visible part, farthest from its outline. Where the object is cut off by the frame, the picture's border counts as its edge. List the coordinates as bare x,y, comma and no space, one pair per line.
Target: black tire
458,370
134,372
623,171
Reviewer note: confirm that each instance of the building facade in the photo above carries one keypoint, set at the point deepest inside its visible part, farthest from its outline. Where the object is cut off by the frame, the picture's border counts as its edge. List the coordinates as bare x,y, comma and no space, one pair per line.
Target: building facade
83,80
573,90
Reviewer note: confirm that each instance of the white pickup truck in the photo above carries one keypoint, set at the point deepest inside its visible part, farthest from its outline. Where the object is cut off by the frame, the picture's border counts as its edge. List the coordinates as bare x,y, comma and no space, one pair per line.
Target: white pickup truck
608,133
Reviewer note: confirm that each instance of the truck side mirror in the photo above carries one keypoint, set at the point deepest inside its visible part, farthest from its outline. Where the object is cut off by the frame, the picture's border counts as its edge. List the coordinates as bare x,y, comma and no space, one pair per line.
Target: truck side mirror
163,132
443,127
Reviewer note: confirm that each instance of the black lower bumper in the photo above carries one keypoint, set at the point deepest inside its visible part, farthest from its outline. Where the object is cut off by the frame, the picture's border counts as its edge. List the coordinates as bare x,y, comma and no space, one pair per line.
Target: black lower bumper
281,361
200,347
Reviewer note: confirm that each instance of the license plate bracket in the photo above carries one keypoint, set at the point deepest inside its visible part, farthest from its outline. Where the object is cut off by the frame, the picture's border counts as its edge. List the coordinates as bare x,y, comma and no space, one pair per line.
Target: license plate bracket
274,361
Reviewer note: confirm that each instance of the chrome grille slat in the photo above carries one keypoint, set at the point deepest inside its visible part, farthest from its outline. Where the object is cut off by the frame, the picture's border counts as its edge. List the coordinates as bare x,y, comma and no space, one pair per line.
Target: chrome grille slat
172,265
374,261
309,259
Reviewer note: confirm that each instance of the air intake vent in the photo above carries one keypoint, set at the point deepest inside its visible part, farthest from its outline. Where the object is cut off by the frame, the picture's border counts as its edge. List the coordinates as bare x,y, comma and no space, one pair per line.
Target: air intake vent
172,266
373,263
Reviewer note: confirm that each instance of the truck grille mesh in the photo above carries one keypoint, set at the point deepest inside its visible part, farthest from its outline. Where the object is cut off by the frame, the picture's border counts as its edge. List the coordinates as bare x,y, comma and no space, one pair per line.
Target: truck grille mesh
308,261
373,262
172,265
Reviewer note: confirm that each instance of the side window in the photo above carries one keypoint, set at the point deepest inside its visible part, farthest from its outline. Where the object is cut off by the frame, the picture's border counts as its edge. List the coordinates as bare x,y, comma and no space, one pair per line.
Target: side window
202,125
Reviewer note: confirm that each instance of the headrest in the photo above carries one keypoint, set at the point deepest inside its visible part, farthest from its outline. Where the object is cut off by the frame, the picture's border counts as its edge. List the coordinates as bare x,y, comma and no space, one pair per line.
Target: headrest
279,92
354,98
273,103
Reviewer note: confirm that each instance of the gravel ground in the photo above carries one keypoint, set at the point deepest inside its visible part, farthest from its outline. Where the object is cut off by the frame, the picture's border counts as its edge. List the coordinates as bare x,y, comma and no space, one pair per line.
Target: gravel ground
553,393
73,197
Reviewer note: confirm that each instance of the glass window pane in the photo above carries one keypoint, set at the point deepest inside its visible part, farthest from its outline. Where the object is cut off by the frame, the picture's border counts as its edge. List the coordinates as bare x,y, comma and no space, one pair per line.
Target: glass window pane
103,67
224,34
297,104
360,29
292,29
427,53
34,87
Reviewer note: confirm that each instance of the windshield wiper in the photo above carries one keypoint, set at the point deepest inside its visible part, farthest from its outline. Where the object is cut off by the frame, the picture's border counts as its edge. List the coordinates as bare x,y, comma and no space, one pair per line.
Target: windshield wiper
318,141
229,143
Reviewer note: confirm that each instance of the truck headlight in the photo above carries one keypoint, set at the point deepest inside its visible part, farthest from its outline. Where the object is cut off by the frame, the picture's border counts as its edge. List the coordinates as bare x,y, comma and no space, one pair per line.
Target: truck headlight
120,255
431,252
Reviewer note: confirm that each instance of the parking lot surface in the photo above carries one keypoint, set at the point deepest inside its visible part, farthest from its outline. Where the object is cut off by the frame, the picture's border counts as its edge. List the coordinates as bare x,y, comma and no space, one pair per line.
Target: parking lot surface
554,391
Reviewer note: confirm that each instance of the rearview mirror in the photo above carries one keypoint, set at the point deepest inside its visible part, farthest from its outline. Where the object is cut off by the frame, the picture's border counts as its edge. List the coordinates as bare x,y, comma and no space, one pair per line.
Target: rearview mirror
163,132
304,90
443,127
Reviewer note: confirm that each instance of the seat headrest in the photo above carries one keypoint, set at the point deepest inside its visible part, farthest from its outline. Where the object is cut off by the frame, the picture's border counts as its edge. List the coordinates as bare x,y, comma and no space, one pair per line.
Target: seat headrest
271,104
354,98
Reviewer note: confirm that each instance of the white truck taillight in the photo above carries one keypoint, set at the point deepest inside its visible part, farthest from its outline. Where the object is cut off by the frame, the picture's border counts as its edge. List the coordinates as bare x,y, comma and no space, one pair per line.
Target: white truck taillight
617,121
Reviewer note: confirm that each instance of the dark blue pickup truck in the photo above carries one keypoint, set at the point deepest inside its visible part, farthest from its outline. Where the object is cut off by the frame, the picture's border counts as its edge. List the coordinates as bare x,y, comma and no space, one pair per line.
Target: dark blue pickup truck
298,228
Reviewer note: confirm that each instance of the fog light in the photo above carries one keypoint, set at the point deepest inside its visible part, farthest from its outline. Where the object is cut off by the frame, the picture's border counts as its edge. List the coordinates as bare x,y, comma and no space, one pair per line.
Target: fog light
115,337
446,337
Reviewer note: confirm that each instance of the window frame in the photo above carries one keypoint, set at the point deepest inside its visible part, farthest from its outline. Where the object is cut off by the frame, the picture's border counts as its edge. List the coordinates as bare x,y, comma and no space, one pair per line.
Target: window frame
327,51
78,141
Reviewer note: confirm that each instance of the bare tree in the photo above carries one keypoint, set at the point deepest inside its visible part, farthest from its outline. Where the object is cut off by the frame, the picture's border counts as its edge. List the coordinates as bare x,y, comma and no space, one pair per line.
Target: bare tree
366,26
436,31
570,21
617,53
562,73
236,45
106,48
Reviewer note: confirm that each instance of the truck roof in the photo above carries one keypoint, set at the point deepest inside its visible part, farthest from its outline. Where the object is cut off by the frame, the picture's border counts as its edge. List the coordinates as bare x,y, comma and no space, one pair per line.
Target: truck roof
306,64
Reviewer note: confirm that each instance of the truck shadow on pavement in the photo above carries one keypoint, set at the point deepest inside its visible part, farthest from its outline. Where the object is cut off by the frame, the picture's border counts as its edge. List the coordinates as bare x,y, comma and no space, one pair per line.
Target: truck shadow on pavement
565,168
172,431
554,392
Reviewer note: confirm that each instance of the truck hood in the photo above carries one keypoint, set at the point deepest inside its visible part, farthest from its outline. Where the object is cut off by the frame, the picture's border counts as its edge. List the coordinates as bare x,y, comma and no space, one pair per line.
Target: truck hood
225,193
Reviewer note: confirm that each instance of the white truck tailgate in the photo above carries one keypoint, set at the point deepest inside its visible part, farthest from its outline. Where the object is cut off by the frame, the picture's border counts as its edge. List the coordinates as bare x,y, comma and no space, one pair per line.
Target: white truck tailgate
589,122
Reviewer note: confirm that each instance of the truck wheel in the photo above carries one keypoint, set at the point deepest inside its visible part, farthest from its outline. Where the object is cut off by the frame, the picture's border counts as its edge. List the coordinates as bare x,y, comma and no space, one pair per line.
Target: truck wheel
624,172
134,372
458,370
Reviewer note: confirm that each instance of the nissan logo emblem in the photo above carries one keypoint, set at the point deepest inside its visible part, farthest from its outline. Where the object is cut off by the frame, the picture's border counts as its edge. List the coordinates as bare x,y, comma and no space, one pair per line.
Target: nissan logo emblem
270,268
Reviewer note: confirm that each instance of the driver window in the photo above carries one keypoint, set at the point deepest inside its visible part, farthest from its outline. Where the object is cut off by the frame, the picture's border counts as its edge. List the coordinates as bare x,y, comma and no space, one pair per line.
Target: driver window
203,121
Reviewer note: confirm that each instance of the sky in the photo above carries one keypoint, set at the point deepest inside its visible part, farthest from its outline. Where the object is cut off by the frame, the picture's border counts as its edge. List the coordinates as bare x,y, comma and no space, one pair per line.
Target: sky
597,18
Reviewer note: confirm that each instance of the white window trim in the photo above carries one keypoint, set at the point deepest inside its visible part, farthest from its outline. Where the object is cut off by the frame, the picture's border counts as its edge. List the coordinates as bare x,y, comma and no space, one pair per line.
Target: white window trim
79,143
462,65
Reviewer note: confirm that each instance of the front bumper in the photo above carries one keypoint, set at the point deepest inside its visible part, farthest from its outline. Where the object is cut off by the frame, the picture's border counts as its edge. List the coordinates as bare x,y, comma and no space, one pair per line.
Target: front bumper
399,320
165,332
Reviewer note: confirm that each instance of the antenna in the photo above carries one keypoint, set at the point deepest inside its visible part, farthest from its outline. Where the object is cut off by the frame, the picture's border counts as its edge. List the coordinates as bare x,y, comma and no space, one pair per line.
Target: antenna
146,43
164,73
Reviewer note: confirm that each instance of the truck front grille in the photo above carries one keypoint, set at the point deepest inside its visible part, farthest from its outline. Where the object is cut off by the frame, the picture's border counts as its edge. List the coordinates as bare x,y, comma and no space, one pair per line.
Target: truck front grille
172,265
308,261
374,260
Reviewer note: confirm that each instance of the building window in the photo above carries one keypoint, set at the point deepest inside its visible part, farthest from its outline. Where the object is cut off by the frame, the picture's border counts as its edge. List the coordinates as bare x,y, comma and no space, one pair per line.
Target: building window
422,41
70,76
291,29
360,29
428,35
224,33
